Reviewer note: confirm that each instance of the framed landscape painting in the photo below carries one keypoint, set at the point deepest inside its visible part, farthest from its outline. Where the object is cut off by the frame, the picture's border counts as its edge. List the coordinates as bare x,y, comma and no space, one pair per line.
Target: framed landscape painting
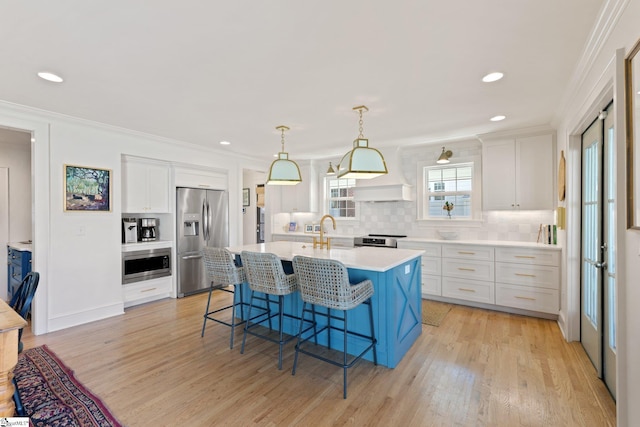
87,189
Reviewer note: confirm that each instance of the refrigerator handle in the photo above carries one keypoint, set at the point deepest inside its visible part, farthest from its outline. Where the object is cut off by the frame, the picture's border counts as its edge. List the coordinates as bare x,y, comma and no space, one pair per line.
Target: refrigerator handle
208,221
205,225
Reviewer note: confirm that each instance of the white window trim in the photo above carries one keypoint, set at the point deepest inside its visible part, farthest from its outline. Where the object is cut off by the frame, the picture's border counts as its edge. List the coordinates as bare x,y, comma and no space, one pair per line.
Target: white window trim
476,199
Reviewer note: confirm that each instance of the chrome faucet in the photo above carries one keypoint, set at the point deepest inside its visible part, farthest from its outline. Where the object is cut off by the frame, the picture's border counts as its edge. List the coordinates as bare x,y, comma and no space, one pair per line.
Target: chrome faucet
324,241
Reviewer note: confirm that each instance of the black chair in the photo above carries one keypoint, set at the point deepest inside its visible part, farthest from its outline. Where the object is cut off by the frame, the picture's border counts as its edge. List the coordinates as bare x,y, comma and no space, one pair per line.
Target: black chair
21,303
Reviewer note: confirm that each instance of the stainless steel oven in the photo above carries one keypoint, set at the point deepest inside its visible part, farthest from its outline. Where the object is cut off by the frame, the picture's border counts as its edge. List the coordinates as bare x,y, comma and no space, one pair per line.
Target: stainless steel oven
378,240
146,264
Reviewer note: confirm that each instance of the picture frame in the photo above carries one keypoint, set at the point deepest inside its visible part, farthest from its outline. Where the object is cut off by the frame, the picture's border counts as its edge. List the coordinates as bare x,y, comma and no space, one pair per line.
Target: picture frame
86,189
293,226
308,228
316,228
632,107
246,201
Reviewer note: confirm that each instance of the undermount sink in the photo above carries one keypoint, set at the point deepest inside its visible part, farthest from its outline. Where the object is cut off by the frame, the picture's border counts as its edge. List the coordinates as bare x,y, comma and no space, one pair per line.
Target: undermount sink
448,235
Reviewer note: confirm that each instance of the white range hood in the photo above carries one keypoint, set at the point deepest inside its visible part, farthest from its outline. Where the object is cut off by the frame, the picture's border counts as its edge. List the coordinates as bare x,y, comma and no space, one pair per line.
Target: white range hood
391,187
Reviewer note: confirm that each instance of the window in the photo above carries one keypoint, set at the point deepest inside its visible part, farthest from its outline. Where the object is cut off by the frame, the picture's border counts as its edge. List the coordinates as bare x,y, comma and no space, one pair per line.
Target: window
451,184
340,203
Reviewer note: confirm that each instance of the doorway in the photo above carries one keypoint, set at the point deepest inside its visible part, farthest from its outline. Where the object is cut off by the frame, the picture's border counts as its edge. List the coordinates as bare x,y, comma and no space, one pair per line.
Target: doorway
598,278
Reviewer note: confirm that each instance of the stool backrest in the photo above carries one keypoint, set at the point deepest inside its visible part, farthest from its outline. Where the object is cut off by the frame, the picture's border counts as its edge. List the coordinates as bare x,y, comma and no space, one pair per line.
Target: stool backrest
265,273
221,268
323,281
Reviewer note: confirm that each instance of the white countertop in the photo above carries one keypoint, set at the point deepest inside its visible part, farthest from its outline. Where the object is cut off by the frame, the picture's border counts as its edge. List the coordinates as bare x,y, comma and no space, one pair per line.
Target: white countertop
327,233
365,258
505,243
140,246
21,246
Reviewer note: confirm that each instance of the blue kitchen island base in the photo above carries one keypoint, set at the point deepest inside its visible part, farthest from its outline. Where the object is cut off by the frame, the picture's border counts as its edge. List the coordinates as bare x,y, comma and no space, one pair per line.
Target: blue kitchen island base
397,310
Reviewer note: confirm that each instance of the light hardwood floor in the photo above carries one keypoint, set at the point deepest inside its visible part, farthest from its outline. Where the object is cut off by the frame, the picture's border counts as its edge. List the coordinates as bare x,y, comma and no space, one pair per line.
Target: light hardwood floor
478,368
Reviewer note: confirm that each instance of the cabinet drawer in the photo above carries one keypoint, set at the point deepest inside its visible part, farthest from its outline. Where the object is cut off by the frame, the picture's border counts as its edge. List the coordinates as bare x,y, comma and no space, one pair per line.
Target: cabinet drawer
430,249
471,290
431,285
484,253
543,300
468,269
528,256
528,275
146,290
431,265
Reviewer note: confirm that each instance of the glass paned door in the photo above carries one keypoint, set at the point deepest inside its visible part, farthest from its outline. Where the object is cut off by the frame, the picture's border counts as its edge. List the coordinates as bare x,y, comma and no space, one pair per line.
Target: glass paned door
591,296
598,287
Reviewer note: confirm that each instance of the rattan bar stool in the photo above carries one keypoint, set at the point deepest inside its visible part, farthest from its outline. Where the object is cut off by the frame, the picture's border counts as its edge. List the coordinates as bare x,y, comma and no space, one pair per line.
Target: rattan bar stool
266,275
222,273
325,282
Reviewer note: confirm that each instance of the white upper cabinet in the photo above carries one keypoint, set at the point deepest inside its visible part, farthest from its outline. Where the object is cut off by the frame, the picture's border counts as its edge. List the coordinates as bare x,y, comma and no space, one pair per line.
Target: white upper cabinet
145,186
517,173
302,197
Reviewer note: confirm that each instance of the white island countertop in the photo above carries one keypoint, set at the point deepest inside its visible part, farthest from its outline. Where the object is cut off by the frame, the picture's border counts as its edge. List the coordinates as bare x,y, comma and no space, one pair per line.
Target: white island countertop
365,258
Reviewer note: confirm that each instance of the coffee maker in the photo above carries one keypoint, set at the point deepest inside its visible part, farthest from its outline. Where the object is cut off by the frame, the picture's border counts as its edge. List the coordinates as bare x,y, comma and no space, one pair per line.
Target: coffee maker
148,229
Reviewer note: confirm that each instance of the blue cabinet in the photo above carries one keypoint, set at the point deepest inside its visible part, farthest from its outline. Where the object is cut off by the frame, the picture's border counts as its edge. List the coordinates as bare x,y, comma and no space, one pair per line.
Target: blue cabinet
19,265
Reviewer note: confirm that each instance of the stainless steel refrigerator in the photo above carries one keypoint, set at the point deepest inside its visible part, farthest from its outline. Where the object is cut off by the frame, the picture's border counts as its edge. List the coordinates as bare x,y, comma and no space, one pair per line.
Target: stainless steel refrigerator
202,220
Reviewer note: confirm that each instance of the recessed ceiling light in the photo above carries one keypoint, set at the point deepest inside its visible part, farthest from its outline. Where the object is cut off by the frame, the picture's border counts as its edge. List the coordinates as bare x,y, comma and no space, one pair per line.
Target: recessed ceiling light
497,118
492,77
50,77
225,143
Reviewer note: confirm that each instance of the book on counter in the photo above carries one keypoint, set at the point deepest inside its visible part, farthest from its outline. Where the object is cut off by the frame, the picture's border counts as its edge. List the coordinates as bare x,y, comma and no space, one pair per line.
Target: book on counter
548,234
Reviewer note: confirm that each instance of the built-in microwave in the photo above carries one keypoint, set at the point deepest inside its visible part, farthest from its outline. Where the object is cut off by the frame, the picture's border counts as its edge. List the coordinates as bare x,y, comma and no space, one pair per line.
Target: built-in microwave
145,264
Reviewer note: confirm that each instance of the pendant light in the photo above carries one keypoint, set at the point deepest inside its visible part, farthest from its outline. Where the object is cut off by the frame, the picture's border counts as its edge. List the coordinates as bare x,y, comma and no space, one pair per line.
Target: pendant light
331,170
362,162
444,157
283,171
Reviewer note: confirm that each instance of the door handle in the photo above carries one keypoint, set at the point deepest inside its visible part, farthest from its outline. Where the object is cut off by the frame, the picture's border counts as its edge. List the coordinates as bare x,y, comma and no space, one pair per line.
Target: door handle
192,257
602,265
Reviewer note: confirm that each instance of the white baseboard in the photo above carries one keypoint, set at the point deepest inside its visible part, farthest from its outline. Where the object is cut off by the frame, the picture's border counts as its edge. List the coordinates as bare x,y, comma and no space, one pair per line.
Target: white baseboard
74,319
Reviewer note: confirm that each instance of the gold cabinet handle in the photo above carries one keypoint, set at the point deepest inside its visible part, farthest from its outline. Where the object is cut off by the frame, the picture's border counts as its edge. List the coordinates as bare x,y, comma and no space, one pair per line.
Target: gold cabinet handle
466,290
525,256
527,298
466,253
147,290
525,275
466,269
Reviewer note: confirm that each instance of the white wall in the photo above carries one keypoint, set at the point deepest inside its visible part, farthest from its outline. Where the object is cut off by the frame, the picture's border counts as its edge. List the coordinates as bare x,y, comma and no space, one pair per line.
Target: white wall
79,253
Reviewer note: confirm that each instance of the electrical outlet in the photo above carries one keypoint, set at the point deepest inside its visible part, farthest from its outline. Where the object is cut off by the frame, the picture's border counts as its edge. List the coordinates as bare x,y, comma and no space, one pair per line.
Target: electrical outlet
407,269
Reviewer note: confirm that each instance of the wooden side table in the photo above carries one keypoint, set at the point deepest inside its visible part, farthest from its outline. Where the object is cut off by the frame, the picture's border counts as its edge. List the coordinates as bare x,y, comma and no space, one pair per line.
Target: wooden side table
10,323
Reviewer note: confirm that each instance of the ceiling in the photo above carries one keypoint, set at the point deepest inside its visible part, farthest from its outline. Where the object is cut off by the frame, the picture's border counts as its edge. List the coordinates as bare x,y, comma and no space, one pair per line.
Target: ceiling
207,71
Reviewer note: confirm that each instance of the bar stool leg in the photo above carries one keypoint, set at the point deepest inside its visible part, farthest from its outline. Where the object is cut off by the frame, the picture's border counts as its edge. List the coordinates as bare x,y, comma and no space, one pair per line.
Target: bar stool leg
246,325
344,358
281,335
206,313
373,333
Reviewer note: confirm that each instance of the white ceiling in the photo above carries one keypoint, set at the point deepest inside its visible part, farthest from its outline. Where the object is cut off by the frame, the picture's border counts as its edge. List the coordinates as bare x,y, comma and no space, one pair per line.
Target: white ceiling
209,70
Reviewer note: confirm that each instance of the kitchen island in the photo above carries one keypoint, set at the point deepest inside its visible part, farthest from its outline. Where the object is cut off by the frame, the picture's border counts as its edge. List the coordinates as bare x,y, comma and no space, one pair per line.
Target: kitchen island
396,302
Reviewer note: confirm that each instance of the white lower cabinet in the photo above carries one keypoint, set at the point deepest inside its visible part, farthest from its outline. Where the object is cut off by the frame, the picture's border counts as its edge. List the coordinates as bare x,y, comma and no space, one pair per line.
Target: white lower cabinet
529,279
528,298
470,290
146,291
505,277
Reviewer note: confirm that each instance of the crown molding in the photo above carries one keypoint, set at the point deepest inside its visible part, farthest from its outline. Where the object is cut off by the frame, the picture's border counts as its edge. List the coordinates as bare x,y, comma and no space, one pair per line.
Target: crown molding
607,20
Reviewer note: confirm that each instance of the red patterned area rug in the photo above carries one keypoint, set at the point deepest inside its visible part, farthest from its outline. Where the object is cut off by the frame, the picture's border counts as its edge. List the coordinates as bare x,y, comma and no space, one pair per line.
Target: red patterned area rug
53,396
